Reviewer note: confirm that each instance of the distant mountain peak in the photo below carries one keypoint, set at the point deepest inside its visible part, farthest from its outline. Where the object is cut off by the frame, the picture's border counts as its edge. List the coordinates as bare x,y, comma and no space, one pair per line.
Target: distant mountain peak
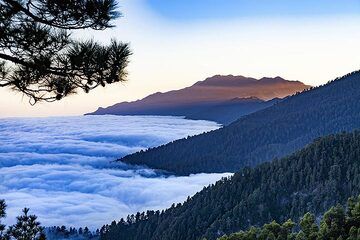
212,90
239,80
278,78
224,80
247,99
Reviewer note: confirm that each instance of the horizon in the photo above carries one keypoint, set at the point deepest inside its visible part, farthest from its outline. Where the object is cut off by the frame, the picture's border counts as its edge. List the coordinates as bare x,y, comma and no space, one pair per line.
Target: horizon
308,42
181,119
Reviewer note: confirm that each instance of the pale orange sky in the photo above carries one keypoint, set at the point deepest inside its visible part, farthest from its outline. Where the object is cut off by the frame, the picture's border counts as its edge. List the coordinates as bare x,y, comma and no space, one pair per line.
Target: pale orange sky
171,55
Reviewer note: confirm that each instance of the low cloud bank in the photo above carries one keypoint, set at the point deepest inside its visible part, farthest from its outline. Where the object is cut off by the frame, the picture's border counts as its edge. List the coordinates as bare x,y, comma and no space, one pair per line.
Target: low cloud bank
61,167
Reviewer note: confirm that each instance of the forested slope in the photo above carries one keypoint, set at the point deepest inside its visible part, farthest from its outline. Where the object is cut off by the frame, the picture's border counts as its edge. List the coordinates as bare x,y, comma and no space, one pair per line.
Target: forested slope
321,175
337,223
273,132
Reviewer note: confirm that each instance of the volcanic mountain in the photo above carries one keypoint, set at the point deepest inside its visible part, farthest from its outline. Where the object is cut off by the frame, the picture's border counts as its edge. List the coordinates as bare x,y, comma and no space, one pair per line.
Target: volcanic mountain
212,92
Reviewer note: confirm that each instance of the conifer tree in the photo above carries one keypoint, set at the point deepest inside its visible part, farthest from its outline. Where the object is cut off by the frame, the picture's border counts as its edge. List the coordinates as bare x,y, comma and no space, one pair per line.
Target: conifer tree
40,58
26,228
2,215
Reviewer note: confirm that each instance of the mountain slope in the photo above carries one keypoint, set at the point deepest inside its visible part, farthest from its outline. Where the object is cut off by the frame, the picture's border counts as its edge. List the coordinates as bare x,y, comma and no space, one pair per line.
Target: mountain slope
210,92
231,110
321,175
338,222
261,136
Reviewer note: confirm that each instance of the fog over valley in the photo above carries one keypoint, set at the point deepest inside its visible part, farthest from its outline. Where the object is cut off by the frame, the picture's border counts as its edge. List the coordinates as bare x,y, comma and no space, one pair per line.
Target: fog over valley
62,168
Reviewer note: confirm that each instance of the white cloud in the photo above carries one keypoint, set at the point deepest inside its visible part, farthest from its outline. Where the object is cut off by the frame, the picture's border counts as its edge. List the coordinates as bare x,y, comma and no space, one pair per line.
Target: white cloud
61,167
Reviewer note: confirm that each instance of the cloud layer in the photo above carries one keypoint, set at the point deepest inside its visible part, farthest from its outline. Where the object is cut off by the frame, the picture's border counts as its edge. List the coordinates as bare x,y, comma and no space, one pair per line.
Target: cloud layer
61,167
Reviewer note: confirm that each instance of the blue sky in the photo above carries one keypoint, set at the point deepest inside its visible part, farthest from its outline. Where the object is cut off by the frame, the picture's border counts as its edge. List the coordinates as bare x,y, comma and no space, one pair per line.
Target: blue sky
190,10
179,42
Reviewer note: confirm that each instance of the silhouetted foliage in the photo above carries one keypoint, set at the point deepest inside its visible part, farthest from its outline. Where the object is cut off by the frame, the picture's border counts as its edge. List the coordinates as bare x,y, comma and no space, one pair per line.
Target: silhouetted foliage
42,61
2,215
26,227
273,132
323,174
337,223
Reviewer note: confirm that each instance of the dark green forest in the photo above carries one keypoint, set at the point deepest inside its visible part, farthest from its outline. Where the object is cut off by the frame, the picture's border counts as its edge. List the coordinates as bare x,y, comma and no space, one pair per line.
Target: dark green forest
338,223
264,135
323,174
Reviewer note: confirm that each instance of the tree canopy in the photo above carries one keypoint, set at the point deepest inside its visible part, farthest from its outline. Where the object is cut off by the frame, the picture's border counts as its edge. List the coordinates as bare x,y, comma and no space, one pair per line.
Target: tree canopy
324,174
337,223
42,60
26,227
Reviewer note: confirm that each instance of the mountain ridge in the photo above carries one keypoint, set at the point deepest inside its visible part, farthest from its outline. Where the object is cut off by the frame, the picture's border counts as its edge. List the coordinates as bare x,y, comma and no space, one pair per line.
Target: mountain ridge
209,92
231,110
263,135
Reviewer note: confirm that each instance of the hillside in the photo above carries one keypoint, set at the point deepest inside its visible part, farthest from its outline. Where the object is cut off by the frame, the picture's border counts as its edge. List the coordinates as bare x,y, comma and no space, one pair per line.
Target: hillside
321,175
338,222
231,110
212,92
261,136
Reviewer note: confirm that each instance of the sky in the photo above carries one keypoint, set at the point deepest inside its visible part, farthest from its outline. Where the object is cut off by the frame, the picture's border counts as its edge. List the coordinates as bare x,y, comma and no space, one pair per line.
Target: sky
179,42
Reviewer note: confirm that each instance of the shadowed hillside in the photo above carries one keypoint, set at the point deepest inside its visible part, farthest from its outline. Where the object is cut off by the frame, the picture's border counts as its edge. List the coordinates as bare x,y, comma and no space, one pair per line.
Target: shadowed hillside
231,110
273,132
321,175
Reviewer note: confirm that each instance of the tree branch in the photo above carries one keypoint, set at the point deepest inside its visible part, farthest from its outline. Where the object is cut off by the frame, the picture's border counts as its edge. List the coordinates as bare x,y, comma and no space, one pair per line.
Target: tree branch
17,5
6,84
14,60
30,65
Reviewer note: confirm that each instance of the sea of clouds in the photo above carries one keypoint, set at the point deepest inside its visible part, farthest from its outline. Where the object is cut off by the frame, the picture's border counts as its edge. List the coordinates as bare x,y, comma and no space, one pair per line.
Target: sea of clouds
62,168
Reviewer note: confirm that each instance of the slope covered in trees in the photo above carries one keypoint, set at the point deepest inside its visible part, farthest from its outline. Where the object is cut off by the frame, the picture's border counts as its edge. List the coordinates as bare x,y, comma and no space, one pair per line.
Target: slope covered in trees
337,223
273,132
323,174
